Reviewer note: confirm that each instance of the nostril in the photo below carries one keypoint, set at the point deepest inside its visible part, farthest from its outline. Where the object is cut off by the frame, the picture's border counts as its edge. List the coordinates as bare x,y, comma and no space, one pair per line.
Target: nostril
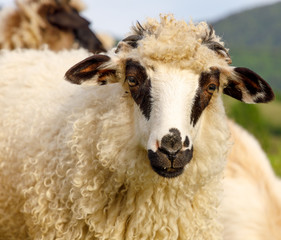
186,142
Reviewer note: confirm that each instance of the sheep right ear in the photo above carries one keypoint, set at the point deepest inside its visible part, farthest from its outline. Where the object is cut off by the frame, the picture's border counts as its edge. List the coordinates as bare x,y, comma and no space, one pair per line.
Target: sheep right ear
247,86
90,69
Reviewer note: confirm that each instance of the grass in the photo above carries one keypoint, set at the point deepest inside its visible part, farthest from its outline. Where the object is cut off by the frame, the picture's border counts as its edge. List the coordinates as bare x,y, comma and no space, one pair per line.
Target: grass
276,162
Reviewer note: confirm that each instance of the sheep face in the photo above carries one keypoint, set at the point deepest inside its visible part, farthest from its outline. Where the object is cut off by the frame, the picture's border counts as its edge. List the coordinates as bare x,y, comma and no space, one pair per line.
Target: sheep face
170,96
164,98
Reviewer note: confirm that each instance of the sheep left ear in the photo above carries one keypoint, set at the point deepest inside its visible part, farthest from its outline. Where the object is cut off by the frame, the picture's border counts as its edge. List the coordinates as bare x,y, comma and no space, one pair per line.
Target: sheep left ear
247,86
90,69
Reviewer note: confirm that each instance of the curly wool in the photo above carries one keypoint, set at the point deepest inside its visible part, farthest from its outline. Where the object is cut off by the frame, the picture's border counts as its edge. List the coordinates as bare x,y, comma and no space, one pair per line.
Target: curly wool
176,42
72,163
251,207
76,180
23,27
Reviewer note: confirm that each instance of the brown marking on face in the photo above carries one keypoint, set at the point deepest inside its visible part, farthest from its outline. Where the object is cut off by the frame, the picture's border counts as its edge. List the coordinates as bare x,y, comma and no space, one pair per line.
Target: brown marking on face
208,84
139,85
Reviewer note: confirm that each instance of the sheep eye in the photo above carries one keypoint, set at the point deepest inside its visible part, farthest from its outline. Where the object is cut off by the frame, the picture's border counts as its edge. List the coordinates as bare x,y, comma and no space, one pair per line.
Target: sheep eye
132,81
211,88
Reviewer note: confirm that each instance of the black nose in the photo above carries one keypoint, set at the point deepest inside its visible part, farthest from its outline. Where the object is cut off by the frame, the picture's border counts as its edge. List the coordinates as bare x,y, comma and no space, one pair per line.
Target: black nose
172,155
171,144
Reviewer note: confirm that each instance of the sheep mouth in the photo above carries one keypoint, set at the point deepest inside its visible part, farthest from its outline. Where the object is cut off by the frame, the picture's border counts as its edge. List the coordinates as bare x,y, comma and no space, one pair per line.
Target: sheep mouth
169,165
168,172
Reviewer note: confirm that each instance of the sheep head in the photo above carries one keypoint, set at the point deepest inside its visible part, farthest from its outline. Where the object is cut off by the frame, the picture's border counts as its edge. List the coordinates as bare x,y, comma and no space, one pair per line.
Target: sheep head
175,73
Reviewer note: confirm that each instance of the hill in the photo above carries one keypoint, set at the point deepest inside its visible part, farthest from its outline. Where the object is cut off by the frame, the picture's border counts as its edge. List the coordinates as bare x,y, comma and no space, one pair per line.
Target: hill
254,39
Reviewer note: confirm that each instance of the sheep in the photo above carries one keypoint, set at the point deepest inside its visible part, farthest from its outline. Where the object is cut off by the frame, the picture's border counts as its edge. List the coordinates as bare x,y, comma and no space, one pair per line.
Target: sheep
251,206
132,146
55,23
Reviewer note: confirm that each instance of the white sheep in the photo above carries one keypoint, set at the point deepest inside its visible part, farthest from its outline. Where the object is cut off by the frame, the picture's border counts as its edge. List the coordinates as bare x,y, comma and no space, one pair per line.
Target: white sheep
56,23
251,207
139,158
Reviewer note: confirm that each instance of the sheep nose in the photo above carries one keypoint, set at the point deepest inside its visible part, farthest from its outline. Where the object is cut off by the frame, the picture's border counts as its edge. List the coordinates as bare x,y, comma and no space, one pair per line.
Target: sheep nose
171,154
171,144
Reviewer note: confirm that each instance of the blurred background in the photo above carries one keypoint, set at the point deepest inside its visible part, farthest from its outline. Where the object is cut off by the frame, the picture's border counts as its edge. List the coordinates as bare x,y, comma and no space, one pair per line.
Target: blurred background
251,29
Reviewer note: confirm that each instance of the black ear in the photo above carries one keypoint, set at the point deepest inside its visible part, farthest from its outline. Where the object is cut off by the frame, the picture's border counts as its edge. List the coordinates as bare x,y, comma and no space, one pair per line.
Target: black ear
247,86
89,69
67,20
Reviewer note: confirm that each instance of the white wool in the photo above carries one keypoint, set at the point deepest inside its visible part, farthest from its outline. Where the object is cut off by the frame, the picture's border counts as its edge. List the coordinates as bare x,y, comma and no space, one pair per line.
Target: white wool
72,166
76,165
24,27
178,43
251,207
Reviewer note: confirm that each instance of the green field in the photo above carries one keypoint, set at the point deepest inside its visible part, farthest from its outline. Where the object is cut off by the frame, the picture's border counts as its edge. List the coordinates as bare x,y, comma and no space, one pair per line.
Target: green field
264,122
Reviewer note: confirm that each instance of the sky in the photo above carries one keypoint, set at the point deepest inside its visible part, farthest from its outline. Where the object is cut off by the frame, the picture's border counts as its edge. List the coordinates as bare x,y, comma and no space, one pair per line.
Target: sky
115,17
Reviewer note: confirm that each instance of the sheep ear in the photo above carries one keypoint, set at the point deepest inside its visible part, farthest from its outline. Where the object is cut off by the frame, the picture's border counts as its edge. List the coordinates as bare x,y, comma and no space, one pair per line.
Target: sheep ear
247,86
66,19
71,20
89,69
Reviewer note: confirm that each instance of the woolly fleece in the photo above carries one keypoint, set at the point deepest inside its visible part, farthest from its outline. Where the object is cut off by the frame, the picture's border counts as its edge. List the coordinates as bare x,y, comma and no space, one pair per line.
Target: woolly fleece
251,207
23,27
71,166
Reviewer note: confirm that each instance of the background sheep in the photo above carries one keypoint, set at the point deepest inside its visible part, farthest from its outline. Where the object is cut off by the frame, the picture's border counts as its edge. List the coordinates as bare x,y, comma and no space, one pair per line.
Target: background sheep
139,158
251,207
56,23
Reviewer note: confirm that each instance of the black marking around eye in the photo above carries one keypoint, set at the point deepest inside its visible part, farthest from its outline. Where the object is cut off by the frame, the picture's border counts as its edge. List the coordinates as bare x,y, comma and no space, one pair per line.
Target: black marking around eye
202,98
140,93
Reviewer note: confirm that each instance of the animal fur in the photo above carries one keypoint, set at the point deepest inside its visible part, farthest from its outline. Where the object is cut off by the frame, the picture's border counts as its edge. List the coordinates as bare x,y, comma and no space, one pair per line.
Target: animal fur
73,158
57,24
251,207
71,167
